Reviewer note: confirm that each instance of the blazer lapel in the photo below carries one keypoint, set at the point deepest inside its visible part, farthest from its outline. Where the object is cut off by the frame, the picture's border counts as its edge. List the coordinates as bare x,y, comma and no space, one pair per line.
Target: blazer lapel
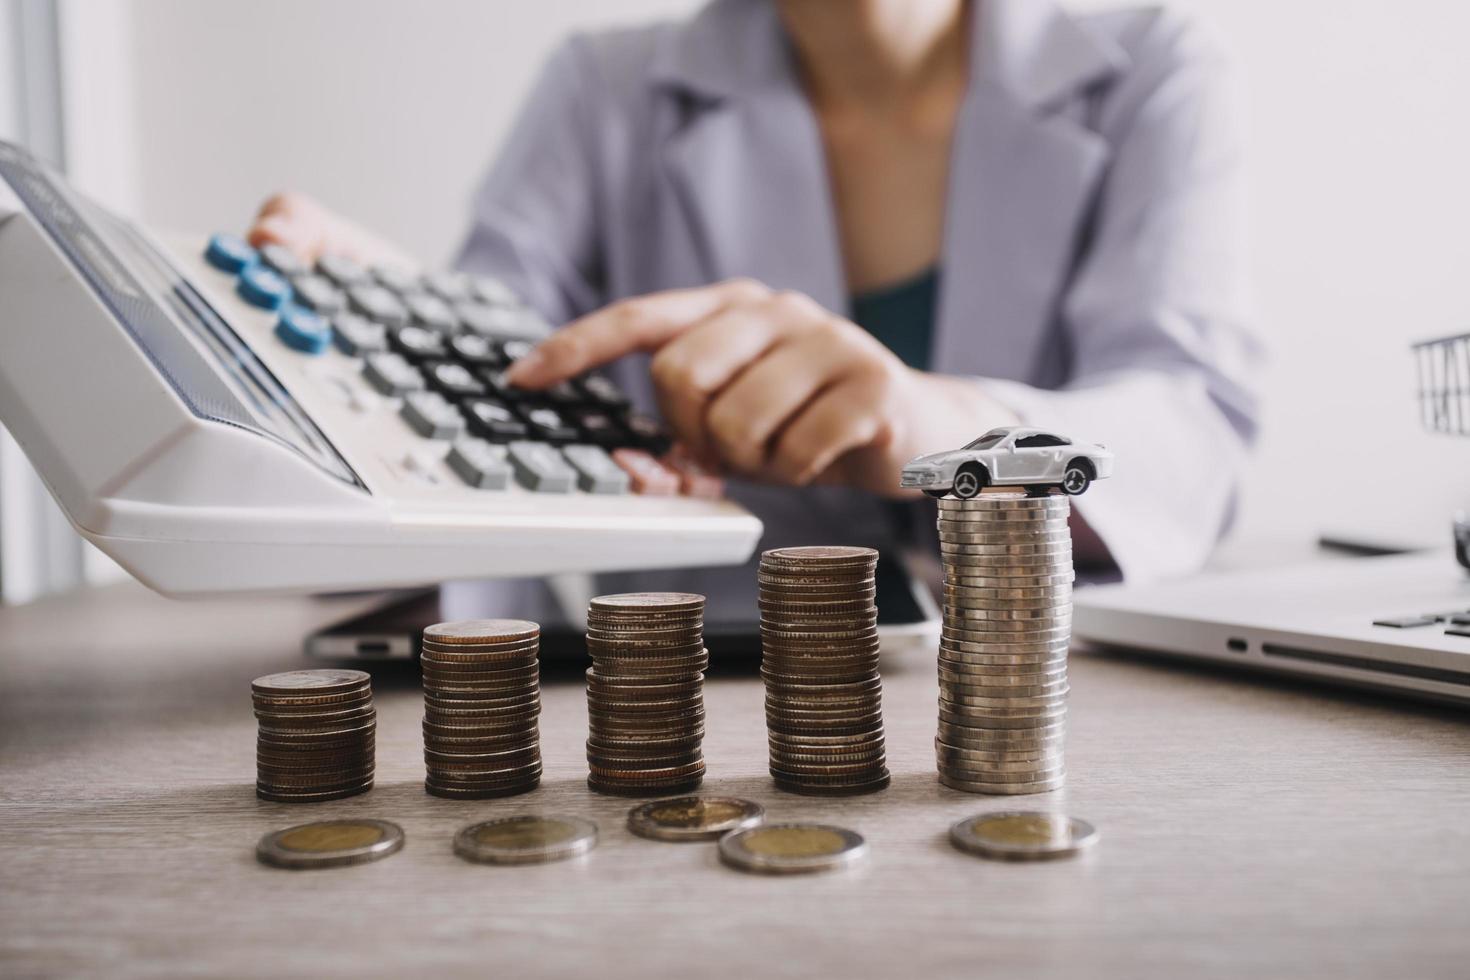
750,177
1022,180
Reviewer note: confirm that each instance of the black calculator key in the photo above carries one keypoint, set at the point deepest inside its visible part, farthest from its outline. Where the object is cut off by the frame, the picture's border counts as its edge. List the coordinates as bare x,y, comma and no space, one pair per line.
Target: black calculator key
341,270
601,391
418,344
649,433
563,394
283,260
480,463
493,420
548,425
428,310
317,294
377,304
494,379
516,349
452,286
453,380
599,428
396,279
476,350
355,336
432,415
391,374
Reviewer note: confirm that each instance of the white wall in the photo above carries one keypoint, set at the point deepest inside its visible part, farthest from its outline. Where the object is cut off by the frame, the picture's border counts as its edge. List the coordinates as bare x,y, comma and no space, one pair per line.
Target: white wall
388,110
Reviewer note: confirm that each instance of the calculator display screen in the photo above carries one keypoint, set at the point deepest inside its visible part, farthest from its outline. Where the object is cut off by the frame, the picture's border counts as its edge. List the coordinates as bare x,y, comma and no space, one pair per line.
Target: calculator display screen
209,367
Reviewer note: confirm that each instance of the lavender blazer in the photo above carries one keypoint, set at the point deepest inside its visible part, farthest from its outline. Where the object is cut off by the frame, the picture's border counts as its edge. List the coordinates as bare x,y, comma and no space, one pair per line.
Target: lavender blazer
1093,260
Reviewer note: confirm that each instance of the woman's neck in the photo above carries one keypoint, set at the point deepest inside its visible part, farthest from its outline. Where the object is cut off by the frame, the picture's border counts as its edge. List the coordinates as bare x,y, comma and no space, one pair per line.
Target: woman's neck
876,52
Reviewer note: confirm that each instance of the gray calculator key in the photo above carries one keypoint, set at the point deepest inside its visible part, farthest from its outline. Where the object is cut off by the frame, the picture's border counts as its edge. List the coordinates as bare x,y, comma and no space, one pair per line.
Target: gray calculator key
391,374
452,286
283,260
396,279
541,468
377,304
481,464
487,289
502,321
355,336
432,415
317,294
341,270
596,471
428,310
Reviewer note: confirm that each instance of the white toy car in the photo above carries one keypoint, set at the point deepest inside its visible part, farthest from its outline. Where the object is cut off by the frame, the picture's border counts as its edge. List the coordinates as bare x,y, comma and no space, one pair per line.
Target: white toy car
1011,456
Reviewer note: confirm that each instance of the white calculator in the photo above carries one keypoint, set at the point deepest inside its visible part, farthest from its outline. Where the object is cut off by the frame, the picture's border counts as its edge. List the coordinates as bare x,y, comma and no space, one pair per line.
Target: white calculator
219,418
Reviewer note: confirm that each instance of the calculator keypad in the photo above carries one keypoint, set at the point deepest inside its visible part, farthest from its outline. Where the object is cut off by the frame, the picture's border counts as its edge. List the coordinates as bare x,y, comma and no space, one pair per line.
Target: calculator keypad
441,344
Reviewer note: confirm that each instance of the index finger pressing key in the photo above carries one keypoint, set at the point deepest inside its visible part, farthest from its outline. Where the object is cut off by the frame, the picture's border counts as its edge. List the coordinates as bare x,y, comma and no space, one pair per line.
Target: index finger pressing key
641,324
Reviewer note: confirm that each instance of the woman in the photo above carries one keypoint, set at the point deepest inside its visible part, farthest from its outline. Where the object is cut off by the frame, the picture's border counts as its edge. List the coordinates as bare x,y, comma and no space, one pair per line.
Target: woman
1031,216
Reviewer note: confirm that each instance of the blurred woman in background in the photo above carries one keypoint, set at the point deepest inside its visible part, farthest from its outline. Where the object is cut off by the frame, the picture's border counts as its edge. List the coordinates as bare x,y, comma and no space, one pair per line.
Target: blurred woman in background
847,233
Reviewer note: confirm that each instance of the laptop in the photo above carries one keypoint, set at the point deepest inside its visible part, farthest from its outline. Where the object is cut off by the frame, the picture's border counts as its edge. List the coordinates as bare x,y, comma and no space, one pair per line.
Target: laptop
1396,623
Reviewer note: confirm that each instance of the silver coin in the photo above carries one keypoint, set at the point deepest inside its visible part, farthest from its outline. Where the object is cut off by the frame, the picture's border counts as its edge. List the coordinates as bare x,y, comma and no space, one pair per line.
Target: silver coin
792,848
525,839
998,653
1023,835
329,844
694,818
1043,541
974,578
1003,501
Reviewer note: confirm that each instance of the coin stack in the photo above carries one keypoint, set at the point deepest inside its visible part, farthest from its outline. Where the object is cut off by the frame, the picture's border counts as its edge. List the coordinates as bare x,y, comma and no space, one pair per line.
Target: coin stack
819,641
1003,648
645,693
316,735
482,696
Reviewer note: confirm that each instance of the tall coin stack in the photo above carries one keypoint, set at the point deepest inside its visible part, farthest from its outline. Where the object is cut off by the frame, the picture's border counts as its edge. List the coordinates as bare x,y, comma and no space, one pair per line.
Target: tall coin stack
819,642
645,693
482,696
1003,648
316,735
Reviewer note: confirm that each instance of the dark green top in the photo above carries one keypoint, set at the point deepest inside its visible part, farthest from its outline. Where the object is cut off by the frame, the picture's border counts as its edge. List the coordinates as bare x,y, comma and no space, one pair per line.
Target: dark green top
902,317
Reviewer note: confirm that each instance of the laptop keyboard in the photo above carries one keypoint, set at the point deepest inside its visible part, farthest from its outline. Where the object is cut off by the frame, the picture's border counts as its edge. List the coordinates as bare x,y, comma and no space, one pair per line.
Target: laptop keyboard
442,343
1456,622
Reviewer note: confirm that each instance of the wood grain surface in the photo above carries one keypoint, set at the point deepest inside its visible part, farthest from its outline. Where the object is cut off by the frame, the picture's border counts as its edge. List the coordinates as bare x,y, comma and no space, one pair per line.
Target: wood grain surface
1251,828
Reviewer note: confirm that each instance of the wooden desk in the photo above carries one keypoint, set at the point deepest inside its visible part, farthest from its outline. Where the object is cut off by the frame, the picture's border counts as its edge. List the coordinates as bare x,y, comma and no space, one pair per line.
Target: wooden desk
1250,828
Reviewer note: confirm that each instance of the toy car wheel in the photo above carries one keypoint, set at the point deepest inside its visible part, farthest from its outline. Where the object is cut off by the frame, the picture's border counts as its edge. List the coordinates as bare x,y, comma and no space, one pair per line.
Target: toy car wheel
936,494
1076,479
968,482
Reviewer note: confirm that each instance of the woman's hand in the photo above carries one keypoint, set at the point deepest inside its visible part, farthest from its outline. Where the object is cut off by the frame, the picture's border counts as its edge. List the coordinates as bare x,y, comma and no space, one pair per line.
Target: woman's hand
771,386
307,228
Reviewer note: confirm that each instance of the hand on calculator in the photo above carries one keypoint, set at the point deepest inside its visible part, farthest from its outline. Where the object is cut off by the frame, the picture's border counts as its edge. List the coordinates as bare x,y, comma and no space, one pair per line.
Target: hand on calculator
772,386
303,225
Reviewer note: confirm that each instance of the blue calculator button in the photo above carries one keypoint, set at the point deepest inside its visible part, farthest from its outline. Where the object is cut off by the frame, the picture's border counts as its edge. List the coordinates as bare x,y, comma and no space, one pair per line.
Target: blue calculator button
230,253
303,330
261,287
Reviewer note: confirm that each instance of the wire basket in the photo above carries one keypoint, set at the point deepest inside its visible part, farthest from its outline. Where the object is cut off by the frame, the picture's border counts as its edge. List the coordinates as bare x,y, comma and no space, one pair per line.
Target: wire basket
1444,384
1444,404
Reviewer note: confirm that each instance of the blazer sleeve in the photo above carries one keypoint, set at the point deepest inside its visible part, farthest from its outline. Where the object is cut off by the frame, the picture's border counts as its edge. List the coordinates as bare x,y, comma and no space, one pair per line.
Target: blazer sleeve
536,215
1164,359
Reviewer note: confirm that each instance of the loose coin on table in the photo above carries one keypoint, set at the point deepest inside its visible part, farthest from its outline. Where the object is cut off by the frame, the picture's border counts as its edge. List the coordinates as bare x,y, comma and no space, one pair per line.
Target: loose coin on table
694,818
525,839
330,844
1023,835
792,848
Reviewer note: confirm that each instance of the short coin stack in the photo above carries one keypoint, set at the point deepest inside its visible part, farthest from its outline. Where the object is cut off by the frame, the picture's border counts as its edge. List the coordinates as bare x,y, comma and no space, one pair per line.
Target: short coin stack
645,693
316,735
482,696
819,640
1003,649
